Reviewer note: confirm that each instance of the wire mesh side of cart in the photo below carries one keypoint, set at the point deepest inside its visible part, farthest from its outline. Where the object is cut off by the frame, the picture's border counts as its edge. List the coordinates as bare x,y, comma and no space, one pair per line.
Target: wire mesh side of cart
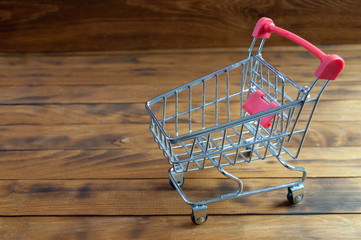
202,124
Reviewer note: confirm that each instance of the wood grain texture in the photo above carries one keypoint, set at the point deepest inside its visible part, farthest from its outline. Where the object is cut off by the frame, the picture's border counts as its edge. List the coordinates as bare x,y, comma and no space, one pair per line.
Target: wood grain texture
176,227
134,113
55,114
77,160
113,25
116,136
157,197
149,164
125,93
158,67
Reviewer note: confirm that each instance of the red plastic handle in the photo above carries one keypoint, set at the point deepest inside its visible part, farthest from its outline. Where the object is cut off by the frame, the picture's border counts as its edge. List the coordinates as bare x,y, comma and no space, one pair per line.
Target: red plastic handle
331,65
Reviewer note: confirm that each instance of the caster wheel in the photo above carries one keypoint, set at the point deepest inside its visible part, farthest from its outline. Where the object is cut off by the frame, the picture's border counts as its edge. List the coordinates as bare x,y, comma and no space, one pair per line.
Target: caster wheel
199,220
199,214
248,153
180,183
293,199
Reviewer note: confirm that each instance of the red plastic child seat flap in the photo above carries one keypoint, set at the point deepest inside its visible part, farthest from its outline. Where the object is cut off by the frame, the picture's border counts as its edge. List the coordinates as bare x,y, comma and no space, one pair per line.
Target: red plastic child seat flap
255,104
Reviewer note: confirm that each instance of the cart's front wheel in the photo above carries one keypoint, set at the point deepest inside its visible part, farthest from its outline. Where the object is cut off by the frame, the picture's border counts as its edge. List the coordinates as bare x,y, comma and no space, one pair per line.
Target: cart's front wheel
199,220
199,214
295,200
295,194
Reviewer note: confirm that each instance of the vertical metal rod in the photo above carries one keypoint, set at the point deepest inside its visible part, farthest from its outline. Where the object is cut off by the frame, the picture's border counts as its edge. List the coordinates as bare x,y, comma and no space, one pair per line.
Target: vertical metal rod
164,110
203,104
280,147
228,107
176,113
261,46
187,167
243,82
289,119
216,101
190,108
270,135
255,69
282,103
223,140
303,104
191,152
276,87
192,149
261,75
314,83
158,134
268,82
251,47
170,149
251,73
276,125
238,143
312,112
255,139
156,131
298,115
282,116
291,112
206,151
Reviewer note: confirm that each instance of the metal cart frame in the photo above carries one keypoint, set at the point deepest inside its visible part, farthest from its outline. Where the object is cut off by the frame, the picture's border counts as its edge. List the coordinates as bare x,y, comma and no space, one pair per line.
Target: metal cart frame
241,113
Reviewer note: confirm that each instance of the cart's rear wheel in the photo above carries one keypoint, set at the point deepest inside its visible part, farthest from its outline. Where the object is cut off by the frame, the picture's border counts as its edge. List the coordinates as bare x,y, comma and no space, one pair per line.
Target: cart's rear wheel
199,214
180,183
295,194
295,200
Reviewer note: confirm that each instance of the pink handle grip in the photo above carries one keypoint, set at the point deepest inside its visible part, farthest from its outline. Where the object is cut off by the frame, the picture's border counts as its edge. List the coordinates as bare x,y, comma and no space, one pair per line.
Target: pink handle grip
331,65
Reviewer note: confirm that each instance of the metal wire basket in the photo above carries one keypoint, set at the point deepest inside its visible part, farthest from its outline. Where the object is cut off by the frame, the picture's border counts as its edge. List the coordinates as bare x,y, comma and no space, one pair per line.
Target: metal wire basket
241,113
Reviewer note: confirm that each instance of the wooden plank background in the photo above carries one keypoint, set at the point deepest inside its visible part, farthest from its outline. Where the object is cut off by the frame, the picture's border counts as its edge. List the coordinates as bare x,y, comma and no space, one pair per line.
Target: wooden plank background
83,25
77,160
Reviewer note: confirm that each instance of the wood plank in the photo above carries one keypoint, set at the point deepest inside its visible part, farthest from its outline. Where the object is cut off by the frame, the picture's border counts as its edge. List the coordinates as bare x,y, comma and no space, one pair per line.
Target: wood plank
74,136
132,136
54,114
114,25
127,93
346,226
156,197
80,94
157,67
149,164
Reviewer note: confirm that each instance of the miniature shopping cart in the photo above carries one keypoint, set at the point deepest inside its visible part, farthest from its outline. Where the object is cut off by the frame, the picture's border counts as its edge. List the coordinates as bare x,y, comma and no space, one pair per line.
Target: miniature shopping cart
244,112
